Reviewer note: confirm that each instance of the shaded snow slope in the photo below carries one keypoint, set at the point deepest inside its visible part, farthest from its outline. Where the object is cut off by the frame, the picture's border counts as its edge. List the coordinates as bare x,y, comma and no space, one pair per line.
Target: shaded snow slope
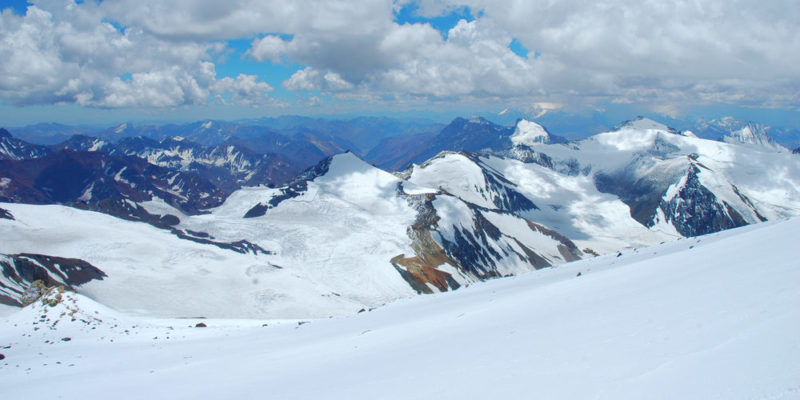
710,317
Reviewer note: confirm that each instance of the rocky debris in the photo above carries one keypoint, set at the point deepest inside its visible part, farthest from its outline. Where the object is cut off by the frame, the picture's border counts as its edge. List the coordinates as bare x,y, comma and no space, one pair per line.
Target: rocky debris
200,325
32,293
59,305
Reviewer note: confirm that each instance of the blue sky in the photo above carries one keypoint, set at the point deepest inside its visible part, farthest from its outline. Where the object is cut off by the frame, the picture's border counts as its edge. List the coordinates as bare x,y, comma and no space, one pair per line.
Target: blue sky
101,63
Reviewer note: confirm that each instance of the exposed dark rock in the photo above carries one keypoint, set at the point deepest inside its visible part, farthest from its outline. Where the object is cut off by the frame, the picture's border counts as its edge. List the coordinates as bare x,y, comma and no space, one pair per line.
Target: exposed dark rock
529,156
92,177
295,188
12,148
506,197
5,214
258,210
227,166
642,194
695,210
241,246
202,235
200,325
421,270
169,220
20,272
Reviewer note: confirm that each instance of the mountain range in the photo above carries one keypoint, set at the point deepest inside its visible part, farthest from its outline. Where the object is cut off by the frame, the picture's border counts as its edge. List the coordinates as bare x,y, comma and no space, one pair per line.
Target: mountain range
224,228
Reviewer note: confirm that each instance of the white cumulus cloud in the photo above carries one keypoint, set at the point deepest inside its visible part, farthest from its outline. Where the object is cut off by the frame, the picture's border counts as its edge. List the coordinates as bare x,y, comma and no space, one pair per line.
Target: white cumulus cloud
683,52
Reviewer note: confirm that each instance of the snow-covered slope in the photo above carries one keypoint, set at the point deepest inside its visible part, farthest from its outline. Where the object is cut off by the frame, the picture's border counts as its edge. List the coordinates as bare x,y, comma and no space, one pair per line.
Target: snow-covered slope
641,184
566,203
529,133
342,237
434,240
710,317
643,124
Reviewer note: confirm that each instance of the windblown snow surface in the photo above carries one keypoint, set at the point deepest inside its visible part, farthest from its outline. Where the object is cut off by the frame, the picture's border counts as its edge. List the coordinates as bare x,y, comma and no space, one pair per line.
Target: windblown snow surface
713,317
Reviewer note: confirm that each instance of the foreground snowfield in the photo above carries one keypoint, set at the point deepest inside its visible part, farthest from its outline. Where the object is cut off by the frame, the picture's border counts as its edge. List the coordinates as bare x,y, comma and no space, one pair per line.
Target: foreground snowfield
710,317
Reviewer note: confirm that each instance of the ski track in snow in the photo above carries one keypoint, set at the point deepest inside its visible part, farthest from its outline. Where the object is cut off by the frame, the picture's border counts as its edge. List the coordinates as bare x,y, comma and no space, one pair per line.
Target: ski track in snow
709,317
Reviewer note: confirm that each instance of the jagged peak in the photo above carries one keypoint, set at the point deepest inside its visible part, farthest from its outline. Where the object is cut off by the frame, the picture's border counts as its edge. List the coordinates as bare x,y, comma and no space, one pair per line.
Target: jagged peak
750,133
5,133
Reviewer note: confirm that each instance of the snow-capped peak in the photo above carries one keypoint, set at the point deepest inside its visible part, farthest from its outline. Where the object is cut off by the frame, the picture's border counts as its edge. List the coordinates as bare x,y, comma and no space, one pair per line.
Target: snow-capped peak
750,134
642,123
346,163
529,133
121,128
207,124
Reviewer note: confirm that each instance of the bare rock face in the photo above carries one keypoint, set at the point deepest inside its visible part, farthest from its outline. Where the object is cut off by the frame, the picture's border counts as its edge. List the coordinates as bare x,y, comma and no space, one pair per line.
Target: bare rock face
25,277
695,210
